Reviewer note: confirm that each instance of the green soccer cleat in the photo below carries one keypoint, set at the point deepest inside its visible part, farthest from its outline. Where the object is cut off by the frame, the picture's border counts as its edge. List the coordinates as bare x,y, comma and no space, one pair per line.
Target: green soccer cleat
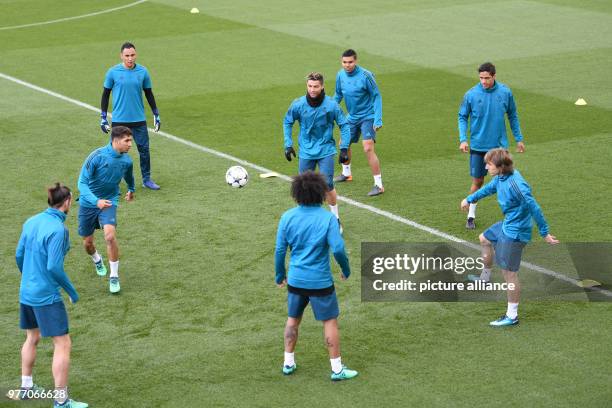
114,285
345,374
71,404
504,321
475,278
21,394
288,370
100,268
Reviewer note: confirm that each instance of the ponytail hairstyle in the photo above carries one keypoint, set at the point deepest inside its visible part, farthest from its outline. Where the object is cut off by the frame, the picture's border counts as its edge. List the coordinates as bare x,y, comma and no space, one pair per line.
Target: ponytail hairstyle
57,195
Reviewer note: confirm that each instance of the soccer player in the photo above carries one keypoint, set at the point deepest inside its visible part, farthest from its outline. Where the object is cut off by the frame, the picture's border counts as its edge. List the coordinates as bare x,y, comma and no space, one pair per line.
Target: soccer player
485,106
40,254
316,114
99,182
127,81
311,232
364,105
505,240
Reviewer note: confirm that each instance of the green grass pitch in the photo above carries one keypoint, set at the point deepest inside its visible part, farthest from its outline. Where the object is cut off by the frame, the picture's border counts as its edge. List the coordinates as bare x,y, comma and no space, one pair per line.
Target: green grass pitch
199,321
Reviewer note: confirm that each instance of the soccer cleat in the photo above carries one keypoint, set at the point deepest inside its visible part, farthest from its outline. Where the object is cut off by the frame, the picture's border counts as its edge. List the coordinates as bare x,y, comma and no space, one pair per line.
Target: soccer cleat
150,184
100,268
504,321
345,374
470,224
114,285
342,178
70,404
22,393
376,191
475,278
288,370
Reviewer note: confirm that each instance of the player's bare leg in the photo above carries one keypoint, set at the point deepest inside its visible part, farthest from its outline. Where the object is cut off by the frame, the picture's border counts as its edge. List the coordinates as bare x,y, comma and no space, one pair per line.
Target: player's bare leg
90,248
488,254
291,337
374,163
112,248
332,200
477,183
332,341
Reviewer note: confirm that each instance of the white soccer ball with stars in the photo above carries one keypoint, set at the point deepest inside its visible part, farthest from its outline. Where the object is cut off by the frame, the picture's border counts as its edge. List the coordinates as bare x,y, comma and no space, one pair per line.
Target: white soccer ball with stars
237,176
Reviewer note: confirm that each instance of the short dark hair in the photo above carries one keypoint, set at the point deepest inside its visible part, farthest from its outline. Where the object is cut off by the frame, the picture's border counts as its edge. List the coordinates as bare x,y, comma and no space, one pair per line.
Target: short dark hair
119,132
487,67
127,45
57,195
315,76
501,158
309,188
349,53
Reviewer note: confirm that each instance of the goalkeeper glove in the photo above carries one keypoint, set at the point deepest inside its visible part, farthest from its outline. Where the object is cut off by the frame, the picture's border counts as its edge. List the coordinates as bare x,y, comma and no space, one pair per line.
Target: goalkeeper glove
104,123
157,121
288,152
343,158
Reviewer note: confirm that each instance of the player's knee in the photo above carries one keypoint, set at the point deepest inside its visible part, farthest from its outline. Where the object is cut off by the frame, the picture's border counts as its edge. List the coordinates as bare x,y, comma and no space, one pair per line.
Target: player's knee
483,240
368,147
62,342
291,329
88,243
109,237
33,338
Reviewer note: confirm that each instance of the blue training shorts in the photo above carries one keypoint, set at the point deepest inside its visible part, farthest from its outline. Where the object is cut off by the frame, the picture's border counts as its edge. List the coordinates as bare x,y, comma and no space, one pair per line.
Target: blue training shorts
52,320
365,128
91,219
326,168
323,307
508,251
478,167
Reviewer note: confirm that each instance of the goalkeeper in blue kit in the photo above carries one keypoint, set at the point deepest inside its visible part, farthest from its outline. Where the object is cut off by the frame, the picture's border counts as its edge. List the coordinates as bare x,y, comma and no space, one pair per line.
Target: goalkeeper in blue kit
127,81
310,233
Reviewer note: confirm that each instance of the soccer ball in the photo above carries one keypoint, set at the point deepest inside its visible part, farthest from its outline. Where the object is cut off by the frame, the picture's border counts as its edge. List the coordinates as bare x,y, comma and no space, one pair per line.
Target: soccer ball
237,176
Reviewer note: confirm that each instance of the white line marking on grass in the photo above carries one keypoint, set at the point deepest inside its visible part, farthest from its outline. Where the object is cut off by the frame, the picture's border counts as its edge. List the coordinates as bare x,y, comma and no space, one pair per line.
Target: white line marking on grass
59,20
383,213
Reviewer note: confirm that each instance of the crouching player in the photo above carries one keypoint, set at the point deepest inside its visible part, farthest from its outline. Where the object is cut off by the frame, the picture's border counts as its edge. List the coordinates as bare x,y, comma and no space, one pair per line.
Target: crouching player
506,239
310,232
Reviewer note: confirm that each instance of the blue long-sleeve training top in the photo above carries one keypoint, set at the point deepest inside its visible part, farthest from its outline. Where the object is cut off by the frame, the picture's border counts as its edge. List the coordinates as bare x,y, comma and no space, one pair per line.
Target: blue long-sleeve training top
517,204
310,232
486,110
43,244
316,138
361,95
101,174
127,86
